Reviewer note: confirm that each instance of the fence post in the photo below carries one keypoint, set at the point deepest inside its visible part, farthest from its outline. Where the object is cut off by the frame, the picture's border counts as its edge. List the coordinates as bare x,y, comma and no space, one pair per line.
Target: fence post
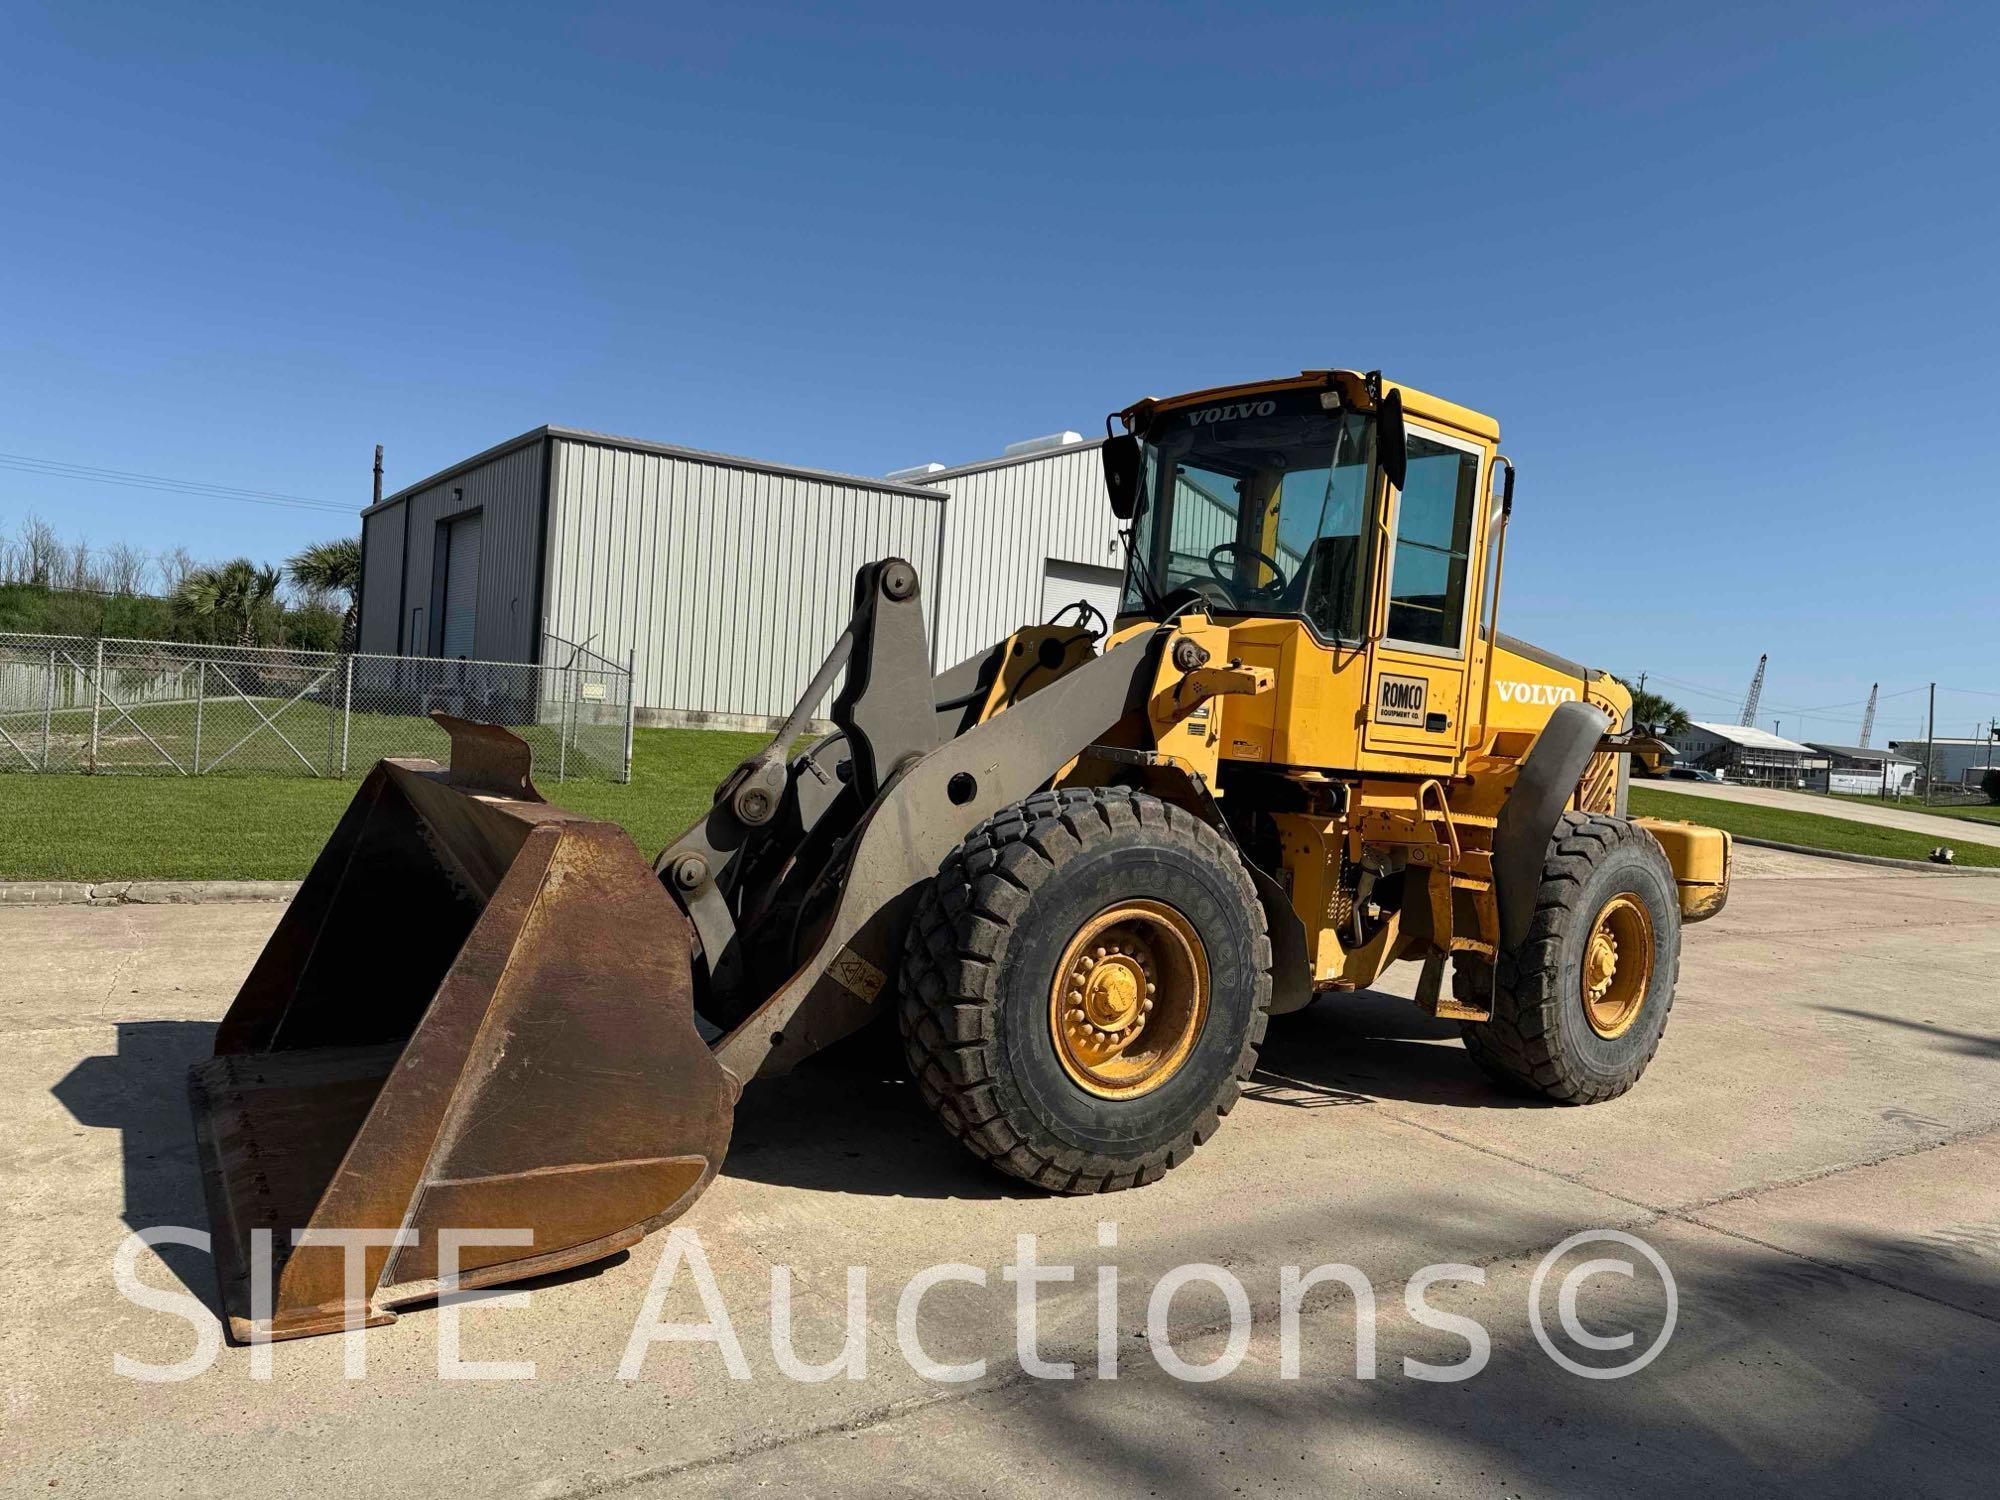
96,701
347,714
563,723
631,704
200,693
48,705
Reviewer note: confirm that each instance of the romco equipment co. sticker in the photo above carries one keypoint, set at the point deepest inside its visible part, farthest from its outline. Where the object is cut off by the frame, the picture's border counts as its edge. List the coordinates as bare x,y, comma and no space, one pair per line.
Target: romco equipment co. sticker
1400,700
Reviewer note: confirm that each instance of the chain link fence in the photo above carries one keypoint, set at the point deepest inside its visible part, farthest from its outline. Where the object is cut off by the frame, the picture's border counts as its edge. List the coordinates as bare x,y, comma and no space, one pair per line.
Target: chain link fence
72,703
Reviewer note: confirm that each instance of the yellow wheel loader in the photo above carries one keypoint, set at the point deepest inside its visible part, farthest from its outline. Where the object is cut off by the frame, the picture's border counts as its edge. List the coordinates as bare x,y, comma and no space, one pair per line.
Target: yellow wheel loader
1081,870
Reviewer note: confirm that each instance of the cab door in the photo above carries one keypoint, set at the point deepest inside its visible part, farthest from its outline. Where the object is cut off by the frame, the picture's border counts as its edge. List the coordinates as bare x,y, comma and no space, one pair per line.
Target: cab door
1420,668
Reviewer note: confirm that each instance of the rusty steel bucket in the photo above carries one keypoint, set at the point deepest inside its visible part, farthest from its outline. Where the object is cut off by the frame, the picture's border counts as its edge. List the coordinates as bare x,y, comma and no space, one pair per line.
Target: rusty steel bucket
475,1015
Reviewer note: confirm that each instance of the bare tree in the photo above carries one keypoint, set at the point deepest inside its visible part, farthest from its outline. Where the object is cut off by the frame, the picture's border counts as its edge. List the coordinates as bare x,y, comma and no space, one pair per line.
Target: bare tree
173,565
40,551
125,568
80,572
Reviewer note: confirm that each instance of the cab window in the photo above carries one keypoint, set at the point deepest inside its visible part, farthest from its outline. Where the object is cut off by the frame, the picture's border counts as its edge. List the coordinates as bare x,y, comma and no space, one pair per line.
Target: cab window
1263,513
1433,548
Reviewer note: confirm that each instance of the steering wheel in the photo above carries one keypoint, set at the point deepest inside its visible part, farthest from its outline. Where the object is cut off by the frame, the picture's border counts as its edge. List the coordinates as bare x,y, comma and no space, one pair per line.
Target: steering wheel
1270,590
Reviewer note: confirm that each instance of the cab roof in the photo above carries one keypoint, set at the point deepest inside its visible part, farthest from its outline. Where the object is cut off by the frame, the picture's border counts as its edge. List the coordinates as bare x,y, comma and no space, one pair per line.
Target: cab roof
1418,404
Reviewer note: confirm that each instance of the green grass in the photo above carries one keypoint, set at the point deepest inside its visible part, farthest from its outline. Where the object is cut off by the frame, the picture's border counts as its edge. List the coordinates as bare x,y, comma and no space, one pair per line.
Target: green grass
1811,830
72,827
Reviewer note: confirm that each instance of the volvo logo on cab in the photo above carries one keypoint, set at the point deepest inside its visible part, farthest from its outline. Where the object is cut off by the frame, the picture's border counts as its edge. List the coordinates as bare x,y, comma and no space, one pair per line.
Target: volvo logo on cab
1232,413
1533,692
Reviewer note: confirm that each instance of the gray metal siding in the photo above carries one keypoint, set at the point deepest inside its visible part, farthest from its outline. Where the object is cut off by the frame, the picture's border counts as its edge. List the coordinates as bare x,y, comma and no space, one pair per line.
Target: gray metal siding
381,573
508,490
727,582
1002,525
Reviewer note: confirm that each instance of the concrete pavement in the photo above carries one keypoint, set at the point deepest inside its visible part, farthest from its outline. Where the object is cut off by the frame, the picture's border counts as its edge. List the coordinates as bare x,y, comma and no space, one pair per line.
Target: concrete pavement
1853,809
1812,1154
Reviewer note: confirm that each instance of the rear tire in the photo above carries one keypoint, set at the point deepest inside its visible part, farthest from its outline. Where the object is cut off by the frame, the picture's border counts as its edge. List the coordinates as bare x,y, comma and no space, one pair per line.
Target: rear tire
1035,901
1603,877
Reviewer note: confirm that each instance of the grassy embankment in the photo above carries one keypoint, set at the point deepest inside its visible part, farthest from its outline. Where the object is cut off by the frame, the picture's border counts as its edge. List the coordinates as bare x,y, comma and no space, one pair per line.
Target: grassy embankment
1812,830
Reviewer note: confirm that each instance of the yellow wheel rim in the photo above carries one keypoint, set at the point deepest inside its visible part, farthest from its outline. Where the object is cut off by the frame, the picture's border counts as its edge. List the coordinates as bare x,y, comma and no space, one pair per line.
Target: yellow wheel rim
1128,1000
1617,966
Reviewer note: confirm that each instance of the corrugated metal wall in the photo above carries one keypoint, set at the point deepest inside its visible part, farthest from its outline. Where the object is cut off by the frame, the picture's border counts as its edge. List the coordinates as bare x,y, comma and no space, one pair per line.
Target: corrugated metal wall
729,583
381,576
1003,522
507,488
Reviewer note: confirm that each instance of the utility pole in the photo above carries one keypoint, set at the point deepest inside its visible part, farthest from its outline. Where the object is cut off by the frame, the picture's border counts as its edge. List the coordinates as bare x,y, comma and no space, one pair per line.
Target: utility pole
1930,748
378,475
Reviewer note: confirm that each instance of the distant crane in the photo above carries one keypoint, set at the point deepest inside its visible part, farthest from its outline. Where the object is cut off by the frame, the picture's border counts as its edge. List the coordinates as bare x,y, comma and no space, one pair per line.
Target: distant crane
1868,718
1749,716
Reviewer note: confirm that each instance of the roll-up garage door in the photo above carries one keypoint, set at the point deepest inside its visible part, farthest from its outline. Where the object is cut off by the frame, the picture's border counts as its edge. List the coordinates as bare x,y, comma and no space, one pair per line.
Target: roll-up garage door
1066,582
461,586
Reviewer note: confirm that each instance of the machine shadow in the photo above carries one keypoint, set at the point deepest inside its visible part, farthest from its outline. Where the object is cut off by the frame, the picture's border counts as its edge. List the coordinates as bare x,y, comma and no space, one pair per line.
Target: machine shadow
140,1090
1368,1046
850,1121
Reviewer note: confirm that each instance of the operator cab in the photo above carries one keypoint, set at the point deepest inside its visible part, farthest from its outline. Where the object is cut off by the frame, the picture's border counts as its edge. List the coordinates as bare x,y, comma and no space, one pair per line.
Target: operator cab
1311,521
1263,506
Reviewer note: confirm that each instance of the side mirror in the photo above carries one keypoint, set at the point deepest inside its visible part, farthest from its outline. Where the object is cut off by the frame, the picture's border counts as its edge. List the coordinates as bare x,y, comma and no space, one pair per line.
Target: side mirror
1502,477
1391,442
1122,470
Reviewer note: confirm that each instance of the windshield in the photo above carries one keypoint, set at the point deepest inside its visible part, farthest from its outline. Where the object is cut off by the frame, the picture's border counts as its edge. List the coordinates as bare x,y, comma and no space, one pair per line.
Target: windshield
1261,507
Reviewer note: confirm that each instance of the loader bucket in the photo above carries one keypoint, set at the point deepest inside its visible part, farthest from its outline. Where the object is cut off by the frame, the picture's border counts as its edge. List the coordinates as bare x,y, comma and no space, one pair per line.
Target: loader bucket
474,1016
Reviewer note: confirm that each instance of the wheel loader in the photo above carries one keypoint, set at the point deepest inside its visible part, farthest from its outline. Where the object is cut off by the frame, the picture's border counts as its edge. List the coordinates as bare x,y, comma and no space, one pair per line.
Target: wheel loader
1080,870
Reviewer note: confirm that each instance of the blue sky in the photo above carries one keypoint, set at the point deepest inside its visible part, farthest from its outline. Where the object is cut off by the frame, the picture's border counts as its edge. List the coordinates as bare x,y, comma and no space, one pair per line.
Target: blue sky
1727,276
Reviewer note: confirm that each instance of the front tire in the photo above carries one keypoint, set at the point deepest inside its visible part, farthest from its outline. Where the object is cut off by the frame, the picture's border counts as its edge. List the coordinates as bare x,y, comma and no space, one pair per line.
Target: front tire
1085,985
1581,1004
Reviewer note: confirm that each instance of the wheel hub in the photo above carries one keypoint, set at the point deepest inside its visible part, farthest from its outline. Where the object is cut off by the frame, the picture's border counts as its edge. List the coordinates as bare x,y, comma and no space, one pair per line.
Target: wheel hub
1617,965
1128,999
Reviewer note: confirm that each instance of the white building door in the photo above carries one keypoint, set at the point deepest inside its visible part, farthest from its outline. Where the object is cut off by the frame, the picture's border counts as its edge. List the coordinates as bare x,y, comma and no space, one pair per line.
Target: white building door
1063,583
461,585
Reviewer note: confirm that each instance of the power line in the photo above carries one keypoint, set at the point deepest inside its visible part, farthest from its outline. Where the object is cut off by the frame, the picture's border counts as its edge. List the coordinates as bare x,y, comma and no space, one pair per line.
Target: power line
192,488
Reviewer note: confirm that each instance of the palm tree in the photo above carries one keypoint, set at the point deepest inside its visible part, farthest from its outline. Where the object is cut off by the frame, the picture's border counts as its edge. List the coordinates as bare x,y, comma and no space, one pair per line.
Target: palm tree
1659,715
332,568
229,594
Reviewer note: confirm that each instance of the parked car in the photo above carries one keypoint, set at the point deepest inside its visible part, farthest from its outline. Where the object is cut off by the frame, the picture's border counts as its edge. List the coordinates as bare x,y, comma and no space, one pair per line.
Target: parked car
1690,773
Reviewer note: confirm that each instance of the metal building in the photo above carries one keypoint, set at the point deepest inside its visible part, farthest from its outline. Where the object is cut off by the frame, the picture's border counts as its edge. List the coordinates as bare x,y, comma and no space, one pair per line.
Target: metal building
1958,760
1746,754
1857,771
725,578
1024,534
